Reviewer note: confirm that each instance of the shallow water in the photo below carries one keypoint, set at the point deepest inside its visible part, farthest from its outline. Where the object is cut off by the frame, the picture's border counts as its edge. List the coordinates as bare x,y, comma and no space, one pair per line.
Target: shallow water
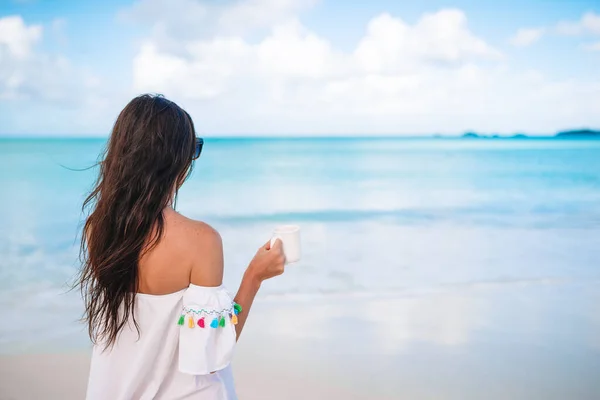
380,217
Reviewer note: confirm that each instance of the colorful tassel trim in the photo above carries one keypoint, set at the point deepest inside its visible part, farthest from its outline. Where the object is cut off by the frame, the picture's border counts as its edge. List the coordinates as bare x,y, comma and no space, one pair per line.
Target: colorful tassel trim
215,323
218,321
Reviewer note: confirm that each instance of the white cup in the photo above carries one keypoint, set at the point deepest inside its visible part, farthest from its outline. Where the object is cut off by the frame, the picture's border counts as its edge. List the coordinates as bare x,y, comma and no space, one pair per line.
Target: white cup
290,238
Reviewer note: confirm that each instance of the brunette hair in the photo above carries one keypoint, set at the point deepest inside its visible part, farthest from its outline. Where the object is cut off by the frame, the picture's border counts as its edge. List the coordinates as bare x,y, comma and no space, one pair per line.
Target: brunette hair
147,158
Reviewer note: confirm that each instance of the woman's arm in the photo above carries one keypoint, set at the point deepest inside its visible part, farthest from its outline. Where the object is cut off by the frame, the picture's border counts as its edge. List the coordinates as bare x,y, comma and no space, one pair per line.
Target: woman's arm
267,263
245,297
207,268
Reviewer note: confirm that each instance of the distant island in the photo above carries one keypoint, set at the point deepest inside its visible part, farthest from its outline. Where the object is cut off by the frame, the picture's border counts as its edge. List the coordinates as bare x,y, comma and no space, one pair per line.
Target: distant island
473,135
579,133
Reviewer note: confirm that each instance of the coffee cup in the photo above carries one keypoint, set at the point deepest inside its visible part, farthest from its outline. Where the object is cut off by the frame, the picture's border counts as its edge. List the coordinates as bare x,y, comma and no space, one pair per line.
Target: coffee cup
290,239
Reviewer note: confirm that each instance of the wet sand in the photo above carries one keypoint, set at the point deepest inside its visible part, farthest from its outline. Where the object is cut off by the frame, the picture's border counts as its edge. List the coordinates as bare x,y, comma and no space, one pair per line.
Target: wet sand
484,340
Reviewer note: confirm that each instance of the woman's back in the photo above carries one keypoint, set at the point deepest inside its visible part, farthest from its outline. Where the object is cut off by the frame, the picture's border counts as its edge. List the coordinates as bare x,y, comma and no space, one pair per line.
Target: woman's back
186,247
145,364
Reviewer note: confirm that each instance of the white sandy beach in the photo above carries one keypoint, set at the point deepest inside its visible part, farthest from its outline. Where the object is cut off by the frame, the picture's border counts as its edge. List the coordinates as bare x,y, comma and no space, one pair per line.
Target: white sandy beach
64,377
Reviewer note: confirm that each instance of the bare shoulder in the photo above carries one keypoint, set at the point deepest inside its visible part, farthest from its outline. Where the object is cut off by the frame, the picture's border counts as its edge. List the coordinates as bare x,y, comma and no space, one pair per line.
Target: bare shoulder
204,248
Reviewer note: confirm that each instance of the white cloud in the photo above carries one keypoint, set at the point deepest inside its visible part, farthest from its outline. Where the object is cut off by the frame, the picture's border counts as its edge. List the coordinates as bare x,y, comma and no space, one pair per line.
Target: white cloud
592,46
244,15
434,75
591,22
58,30
391,45
569,28
204,77
26,73
588,24
42,92
527,36
291,51
17,39
177,20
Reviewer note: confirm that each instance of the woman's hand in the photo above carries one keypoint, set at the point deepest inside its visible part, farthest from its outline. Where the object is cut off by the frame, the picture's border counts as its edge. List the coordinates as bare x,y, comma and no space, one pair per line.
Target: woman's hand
268,262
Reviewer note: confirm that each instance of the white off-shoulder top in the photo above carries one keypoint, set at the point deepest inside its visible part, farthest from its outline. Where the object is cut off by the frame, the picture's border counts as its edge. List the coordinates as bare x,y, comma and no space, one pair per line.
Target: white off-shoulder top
183,338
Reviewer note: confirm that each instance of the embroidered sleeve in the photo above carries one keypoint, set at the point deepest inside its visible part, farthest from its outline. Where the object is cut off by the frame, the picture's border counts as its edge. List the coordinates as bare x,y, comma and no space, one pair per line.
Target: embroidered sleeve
207,330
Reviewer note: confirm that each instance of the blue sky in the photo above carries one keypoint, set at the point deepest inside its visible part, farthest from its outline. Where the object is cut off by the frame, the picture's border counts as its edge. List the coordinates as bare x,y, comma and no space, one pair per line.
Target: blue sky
302,67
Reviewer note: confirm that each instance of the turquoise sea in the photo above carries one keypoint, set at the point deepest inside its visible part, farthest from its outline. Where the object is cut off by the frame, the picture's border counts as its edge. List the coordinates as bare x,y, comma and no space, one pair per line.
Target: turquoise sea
510,227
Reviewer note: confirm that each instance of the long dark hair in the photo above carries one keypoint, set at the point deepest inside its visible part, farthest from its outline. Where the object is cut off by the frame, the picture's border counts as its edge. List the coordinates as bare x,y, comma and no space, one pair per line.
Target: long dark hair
147,158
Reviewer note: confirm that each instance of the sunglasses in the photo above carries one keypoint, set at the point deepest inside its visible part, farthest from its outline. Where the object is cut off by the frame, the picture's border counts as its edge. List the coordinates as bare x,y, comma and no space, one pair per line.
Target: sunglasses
198,150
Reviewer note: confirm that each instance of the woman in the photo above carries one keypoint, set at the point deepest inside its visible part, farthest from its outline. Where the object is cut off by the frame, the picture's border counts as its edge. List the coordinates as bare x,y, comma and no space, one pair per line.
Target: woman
162,324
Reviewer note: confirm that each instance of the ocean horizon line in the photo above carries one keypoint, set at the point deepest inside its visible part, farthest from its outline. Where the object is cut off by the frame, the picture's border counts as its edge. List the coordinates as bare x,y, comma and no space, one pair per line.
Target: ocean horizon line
462,136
